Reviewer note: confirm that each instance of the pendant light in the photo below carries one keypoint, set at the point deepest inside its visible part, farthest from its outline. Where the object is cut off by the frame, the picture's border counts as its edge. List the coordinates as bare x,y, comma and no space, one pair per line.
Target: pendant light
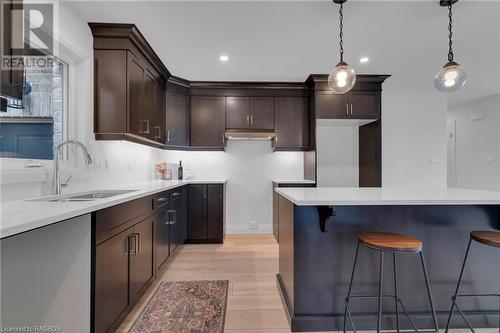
343,77
453,76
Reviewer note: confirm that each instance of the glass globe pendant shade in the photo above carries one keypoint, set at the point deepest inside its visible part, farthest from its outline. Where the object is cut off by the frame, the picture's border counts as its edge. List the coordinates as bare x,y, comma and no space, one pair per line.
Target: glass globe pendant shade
342,78
451,78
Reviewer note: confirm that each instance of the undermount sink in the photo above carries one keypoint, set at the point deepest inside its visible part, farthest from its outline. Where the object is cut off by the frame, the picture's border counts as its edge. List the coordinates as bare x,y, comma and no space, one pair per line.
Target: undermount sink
89,196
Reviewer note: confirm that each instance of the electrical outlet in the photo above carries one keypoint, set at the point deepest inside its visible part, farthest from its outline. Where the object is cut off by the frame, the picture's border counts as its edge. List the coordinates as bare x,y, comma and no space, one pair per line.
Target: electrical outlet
252,225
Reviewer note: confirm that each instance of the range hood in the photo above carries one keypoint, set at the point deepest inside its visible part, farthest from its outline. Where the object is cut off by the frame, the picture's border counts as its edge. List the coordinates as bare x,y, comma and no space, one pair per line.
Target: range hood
241,135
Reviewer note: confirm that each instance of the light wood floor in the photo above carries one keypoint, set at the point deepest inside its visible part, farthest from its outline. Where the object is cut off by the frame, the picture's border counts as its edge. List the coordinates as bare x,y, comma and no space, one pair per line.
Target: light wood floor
250,263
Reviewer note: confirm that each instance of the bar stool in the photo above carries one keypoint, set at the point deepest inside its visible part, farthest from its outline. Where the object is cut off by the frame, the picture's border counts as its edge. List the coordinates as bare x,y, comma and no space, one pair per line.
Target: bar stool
395,244
489,238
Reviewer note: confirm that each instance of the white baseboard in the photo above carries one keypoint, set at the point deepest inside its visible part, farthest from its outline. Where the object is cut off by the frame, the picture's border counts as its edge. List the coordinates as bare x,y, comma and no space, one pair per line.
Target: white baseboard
243,229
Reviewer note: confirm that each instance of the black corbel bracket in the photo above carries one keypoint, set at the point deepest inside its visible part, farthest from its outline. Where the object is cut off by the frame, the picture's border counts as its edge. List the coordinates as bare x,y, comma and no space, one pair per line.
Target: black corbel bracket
325,213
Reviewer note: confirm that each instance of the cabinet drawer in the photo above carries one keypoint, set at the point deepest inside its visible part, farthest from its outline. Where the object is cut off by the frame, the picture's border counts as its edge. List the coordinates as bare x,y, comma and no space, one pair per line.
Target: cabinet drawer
112,220
162,199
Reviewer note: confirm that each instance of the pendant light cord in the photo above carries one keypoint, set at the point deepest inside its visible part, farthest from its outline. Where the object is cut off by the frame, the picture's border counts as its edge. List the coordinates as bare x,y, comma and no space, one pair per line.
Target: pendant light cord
341,35
450,35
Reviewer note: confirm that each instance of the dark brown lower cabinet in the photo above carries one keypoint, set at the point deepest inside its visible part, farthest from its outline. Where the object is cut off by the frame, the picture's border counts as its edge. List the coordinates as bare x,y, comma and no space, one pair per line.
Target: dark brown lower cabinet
133,241
206,213
177,221
141,258
215,212
111,280
162,237
123,271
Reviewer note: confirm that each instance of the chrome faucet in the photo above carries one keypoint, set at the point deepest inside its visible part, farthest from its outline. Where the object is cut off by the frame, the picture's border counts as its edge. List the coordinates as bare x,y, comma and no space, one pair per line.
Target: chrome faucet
57,181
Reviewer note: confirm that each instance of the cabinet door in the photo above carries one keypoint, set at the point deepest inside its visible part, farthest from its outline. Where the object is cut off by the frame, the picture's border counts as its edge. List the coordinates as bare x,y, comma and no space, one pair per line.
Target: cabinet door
149,103
111,280
292,123
364,104
207,121
215,211
177,119
137,120
176,234
237,112
110,91
159,132
141,257
331,106
198,212
162,237
262,113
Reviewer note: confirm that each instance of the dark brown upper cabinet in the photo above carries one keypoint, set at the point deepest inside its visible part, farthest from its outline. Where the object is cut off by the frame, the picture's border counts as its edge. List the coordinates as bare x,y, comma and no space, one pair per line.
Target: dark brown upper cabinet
292,123
159,126
237,112
365,104
352,105
129,86
177,119
250,113
11,80
262,113
207,122
362,102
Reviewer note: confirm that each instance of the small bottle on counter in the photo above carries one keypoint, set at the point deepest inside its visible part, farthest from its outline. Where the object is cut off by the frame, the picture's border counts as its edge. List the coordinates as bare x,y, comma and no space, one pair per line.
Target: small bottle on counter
179,171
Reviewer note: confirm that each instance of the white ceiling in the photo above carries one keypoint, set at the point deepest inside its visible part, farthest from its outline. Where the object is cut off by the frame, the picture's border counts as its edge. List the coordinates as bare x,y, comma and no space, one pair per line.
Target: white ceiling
287,40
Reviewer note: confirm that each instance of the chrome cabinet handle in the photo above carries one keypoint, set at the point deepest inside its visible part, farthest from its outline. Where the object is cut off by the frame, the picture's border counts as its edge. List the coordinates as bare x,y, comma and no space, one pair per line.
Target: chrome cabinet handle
157,132
351,109
251,120
168,136
133,251
347,109
248,120
145,122
176,194
205,193
223,139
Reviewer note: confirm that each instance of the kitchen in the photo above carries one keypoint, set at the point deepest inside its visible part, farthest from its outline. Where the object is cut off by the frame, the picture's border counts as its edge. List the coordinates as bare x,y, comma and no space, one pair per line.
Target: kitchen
245,113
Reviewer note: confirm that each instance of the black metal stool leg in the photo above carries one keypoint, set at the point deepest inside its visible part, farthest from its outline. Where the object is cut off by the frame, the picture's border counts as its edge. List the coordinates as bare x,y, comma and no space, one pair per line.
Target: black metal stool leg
429,293
396,290
380,288
349,291
454,297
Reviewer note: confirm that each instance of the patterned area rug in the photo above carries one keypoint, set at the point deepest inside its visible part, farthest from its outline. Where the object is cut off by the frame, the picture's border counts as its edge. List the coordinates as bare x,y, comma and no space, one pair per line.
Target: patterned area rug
185,307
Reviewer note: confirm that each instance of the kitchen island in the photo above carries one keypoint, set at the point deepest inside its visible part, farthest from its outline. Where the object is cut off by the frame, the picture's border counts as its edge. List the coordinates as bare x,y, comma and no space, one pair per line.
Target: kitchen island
318,230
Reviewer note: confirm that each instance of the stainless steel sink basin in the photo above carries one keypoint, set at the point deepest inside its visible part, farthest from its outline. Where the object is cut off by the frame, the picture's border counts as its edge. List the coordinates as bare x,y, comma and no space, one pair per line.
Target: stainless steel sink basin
88,196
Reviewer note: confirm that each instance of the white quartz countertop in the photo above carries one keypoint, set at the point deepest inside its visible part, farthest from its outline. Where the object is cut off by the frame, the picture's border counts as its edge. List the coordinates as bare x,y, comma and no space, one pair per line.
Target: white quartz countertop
21,216
352,196
294,181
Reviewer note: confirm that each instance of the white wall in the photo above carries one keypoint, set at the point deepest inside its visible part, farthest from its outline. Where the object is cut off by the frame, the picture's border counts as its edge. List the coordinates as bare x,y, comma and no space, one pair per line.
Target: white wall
413,138
337,150
477,144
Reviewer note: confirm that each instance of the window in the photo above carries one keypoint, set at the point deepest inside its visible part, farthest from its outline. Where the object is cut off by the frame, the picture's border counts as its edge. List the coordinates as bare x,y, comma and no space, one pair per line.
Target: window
31,127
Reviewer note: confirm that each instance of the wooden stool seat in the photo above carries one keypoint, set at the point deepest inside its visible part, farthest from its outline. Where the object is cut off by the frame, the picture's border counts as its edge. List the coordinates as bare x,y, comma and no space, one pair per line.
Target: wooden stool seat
387,241
491,238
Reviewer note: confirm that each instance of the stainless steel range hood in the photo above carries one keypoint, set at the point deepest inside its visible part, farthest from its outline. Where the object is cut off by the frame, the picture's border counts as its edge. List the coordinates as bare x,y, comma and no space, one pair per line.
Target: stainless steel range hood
239,135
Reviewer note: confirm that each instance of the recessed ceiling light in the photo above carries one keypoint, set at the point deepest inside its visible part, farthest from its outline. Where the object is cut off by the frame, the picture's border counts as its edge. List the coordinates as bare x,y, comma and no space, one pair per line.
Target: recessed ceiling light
223,58
364,60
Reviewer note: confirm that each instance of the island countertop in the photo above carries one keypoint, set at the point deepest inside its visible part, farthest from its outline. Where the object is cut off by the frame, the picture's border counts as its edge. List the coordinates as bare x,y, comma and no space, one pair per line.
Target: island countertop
353,196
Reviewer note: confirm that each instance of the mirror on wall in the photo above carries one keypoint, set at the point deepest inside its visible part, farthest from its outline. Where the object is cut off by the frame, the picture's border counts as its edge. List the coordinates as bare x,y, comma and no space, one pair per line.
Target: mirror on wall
32,126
